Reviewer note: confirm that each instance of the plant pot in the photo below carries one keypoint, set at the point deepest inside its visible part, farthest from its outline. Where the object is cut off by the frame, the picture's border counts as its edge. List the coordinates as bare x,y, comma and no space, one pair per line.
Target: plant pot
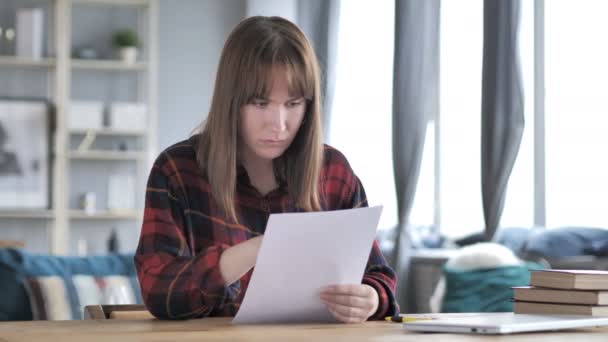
128,54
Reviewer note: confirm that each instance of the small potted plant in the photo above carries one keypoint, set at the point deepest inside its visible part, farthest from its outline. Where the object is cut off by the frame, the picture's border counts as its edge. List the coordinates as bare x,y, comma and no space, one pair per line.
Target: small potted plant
126,42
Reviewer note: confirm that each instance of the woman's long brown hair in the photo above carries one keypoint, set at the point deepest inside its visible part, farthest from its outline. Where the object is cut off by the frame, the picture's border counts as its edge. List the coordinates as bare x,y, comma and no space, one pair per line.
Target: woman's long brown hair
254,46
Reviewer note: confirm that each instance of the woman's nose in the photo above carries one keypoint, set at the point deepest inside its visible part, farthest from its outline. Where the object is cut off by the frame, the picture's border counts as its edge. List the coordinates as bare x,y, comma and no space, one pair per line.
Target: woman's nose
277,118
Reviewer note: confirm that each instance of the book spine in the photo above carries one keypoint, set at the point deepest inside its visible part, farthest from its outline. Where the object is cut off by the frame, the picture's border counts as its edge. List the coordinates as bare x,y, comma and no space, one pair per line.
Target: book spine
551,309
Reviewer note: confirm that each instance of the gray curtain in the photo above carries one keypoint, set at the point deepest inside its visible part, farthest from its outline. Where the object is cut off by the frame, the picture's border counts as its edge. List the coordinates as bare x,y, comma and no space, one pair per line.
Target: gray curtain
319,21
501,106
415,101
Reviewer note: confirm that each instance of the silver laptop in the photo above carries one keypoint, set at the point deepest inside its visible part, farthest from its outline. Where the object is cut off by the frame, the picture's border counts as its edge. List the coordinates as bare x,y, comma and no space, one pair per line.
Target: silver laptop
498,323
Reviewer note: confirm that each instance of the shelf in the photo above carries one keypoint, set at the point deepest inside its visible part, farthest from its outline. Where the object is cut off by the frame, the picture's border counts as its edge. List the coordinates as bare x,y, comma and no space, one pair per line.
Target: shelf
109,64
26,214
105,215
109,132
27,62
62,72
112,2
106,155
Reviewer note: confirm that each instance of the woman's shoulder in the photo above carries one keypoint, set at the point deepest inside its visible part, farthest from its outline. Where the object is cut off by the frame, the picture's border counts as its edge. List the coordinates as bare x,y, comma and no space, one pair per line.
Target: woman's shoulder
335,164
179,157
339,182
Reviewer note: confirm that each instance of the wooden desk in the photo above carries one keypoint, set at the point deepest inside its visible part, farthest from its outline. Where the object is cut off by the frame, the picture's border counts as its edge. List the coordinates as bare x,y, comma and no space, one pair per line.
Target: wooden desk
220,329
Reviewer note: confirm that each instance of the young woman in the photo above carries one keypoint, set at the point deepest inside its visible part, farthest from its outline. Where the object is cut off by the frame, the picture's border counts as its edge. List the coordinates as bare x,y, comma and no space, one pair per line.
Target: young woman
259,152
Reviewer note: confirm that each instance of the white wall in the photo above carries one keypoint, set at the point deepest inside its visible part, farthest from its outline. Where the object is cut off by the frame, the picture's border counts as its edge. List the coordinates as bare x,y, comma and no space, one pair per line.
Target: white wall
282,8
192,34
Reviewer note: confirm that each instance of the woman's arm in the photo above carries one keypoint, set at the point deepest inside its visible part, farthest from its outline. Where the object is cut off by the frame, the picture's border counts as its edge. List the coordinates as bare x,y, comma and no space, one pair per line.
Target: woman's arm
380,276
176,281
239,259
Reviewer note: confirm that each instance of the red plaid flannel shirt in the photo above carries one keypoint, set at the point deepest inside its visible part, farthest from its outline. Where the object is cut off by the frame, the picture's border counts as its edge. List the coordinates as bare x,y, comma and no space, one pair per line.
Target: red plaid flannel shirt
184,235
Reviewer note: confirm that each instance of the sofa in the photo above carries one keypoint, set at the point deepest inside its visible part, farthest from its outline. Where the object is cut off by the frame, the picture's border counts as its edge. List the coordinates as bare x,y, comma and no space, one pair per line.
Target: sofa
47,287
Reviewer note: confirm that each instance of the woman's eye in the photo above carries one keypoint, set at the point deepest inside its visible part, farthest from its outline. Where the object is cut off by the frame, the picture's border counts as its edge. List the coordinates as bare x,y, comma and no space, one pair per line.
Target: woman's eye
260,104
294,104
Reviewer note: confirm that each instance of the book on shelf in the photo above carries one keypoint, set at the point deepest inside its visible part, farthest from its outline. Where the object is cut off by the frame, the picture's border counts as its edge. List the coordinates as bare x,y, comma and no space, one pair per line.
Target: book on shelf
545,295
558,309
570,279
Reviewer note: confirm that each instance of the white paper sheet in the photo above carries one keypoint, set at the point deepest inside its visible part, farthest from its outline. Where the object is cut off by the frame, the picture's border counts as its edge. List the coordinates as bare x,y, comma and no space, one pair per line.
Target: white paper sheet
300,254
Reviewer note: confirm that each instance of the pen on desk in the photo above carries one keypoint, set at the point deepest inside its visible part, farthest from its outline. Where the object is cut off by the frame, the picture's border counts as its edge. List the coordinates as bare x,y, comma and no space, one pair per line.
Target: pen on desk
404,319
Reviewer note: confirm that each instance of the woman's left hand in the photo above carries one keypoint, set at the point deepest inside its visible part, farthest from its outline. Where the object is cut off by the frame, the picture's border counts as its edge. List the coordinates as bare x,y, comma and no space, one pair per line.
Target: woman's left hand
350,303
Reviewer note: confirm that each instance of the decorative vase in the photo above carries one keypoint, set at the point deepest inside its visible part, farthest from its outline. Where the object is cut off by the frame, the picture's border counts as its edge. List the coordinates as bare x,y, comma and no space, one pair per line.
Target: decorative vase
128,54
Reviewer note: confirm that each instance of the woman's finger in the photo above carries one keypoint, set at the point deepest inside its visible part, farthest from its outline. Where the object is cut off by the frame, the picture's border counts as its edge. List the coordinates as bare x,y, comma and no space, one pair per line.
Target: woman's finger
342,318
358,290
354,301
348,311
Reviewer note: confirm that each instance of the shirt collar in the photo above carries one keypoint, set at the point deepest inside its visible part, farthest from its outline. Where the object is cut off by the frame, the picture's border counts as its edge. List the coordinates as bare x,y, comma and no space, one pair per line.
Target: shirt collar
242,177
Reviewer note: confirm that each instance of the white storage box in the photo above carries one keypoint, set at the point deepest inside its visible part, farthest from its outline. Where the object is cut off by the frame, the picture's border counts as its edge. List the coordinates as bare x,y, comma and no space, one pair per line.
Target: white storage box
128,115
30,26
85,115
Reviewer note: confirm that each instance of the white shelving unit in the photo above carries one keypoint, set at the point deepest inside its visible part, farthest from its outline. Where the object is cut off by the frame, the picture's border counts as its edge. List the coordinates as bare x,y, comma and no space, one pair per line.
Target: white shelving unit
107,155
109,132
113,2
108,65
26,214
104,215
61,68
27,62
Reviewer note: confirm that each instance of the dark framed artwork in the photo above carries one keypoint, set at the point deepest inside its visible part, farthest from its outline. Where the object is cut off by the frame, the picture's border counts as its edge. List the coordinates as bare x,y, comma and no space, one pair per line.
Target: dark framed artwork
24,153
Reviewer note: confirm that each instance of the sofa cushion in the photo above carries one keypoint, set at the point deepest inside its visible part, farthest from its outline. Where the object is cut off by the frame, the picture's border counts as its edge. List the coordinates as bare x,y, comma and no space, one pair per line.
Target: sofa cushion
62,298
49,298
20,272
567,242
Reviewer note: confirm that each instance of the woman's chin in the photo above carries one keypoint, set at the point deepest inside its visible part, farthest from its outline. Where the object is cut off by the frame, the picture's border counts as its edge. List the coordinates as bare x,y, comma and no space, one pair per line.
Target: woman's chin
269,153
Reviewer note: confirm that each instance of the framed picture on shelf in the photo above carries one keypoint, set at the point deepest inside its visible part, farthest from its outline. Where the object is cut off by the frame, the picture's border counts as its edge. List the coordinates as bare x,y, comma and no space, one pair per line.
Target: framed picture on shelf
24,153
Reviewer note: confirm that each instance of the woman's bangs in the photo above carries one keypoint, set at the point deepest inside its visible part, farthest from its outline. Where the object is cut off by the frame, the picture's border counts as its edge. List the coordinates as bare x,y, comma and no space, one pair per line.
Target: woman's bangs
257,81
300,80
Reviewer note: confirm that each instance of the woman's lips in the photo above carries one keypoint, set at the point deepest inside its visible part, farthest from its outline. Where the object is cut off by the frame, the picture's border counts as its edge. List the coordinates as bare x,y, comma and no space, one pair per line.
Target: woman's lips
273,142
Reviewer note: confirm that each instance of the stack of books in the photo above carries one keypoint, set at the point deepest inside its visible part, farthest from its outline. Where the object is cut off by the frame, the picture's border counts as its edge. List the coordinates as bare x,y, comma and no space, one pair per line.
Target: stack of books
563,292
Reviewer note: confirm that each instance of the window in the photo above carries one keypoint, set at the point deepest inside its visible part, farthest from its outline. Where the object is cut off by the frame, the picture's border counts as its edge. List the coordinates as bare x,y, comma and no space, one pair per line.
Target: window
576,120
448,195
362,105
458,206
459,124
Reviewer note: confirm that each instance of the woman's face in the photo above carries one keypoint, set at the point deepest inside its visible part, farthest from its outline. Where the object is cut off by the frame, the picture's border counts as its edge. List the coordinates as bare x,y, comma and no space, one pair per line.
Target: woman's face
267,126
